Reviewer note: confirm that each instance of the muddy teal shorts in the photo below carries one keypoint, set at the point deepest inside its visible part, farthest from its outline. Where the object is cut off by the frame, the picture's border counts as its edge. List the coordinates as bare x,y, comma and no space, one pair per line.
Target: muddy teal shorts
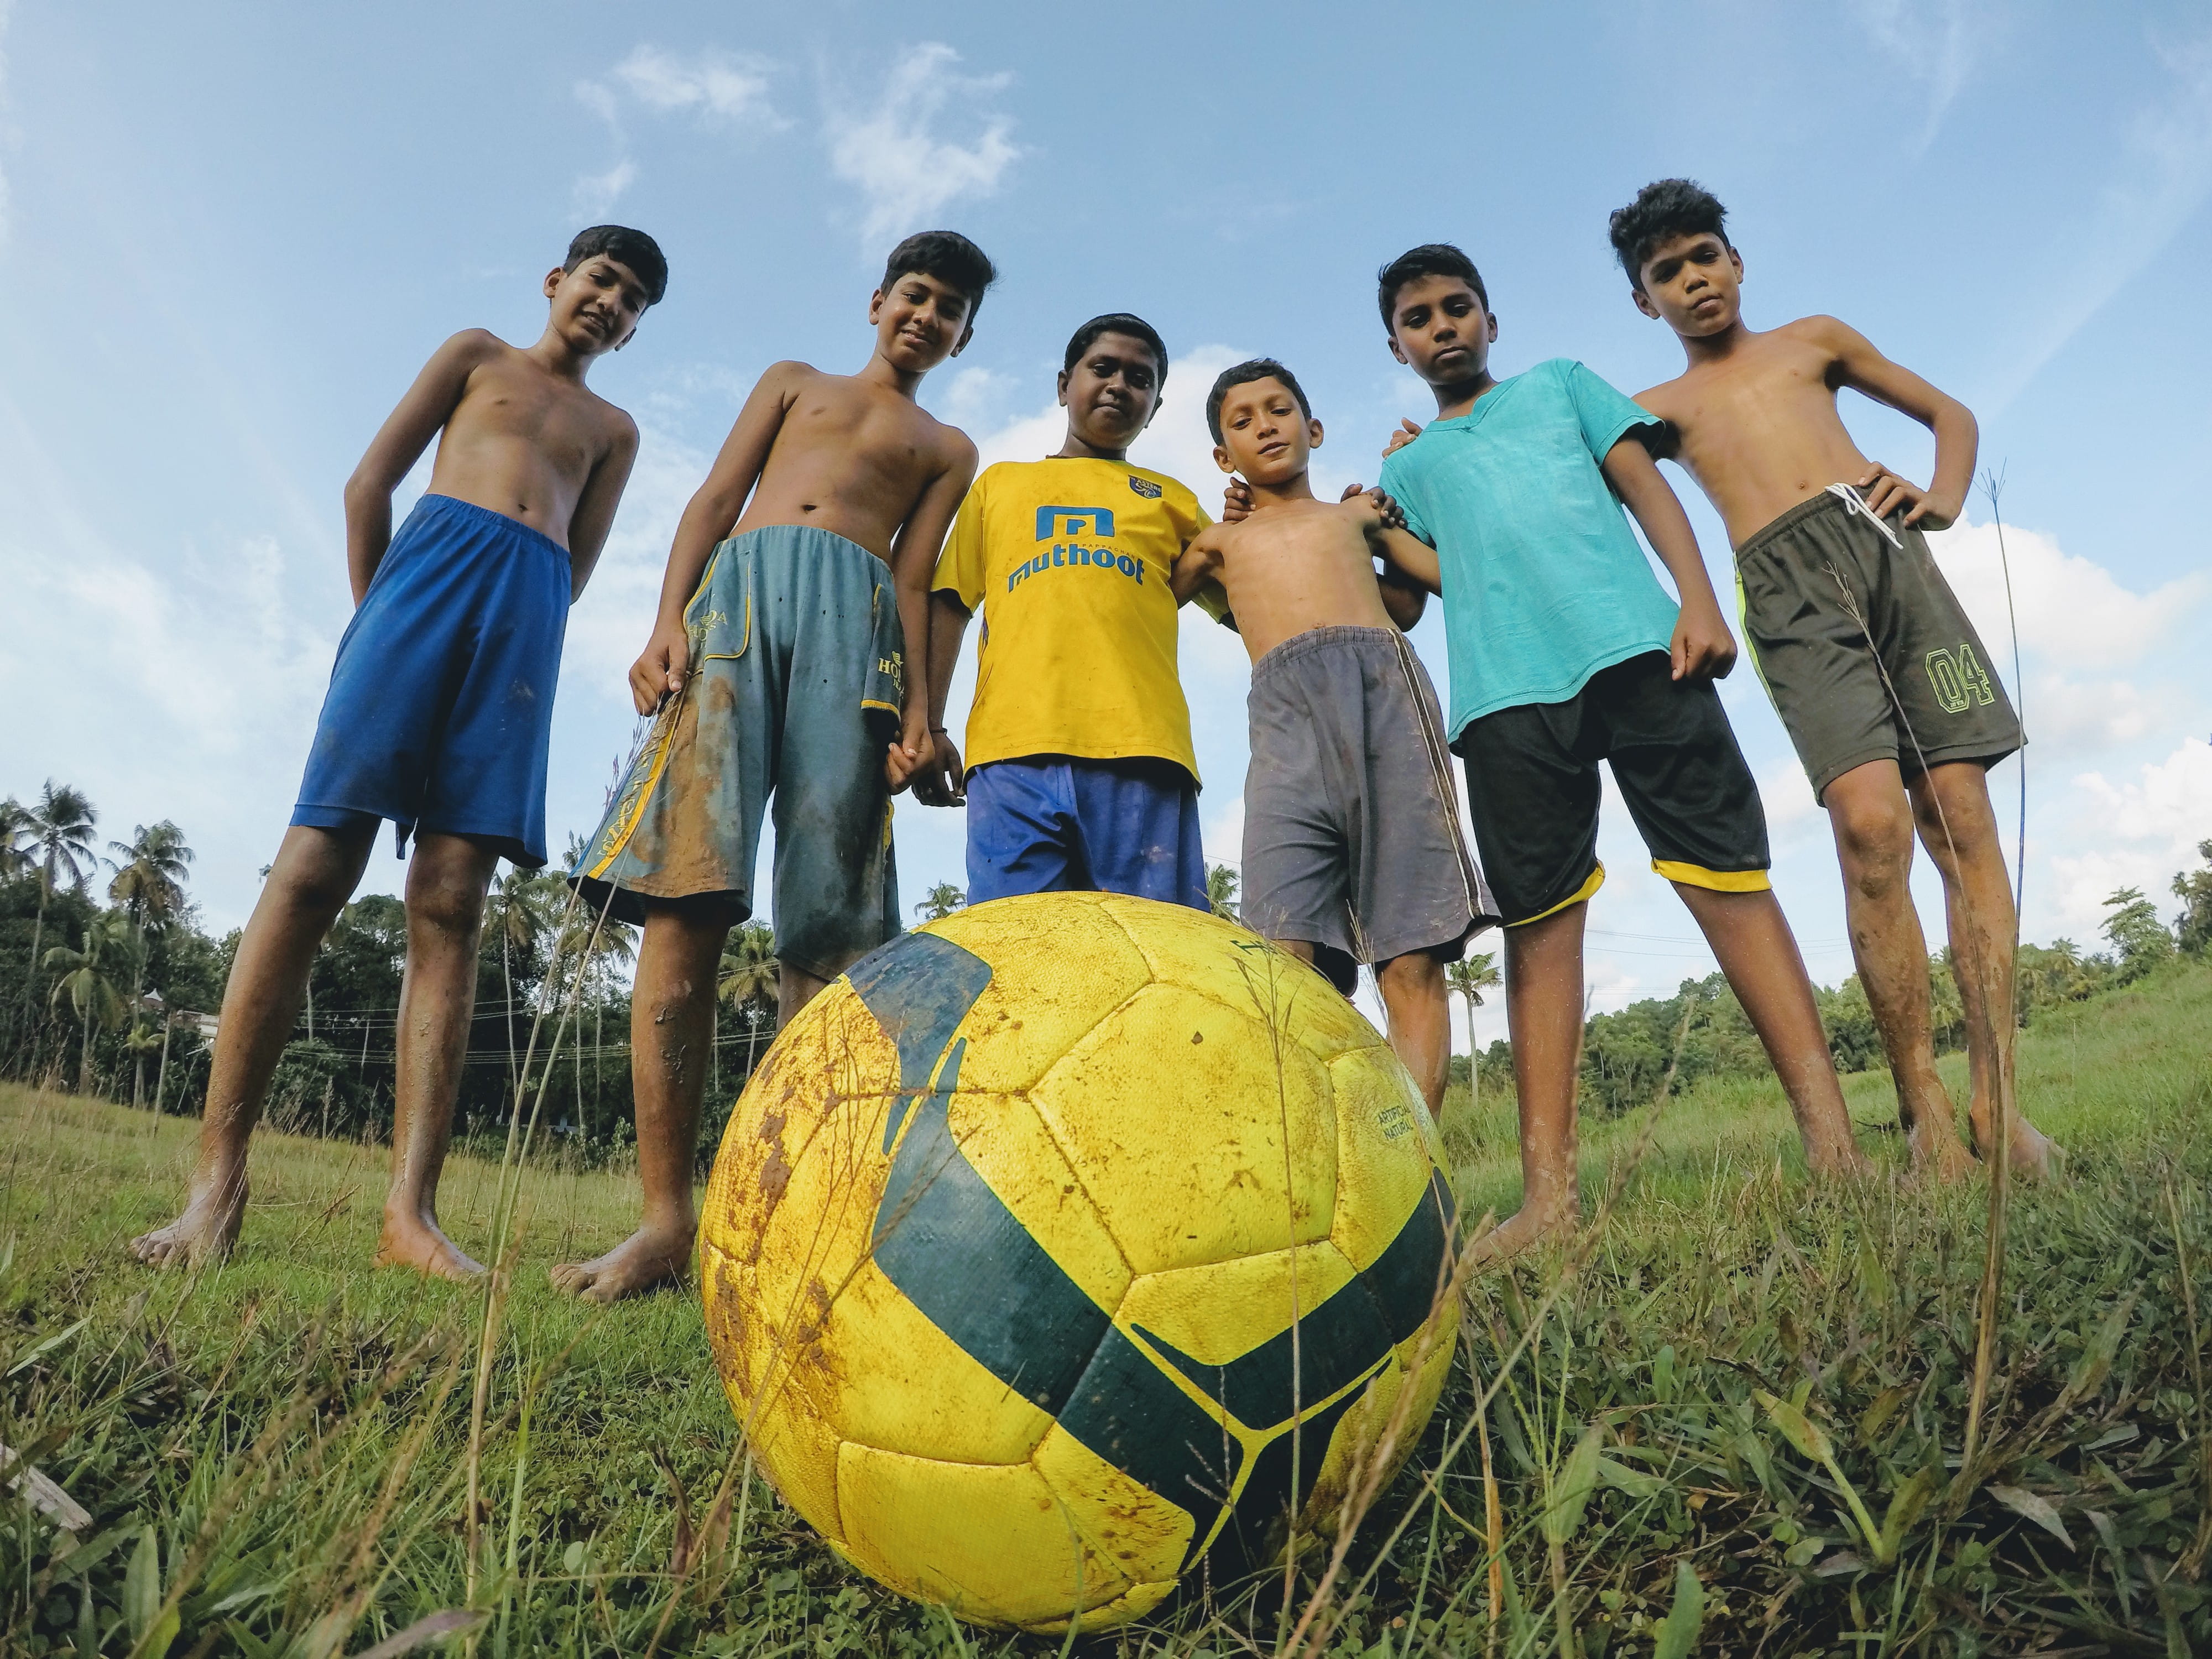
798,672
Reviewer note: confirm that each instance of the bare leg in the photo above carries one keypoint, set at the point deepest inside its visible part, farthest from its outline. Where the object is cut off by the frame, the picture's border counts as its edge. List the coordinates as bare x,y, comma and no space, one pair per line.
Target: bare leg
1873,825
1759,954
794,988
671,1028
447,880
1960,831
315,873
1414,997
1544,1015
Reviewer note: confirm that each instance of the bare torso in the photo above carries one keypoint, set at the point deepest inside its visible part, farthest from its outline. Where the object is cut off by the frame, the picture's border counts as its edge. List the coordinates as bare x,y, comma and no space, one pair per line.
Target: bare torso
523,441
1295,567
851,457
1757,428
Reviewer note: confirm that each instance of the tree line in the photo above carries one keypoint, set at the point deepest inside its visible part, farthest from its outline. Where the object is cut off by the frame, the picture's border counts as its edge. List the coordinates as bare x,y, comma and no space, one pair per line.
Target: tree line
109,985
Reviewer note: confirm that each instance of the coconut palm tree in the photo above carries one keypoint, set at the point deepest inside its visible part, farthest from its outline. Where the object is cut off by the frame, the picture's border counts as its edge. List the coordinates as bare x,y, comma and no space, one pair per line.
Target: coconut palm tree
59,843
1471,978
1221,883
15,834
748,975
149,885
91,980
520,912
940,902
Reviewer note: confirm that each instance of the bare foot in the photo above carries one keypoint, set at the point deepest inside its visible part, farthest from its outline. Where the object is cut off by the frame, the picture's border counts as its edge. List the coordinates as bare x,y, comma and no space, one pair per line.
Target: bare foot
650,1256
204,1232
1937,1151
2032,1154
1830,1160
417,1241
1531,1225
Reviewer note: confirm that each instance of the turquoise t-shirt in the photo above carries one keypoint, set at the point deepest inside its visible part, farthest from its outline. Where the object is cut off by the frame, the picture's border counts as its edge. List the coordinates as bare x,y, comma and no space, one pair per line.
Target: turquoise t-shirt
1544,582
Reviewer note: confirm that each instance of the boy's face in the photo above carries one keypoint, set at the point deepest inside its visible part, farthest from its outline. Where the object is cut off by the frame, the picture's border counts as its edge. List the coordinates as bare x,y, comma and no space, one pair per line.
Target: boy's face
1111,393
1265,436
596,306
1691,283
920,321
1440,329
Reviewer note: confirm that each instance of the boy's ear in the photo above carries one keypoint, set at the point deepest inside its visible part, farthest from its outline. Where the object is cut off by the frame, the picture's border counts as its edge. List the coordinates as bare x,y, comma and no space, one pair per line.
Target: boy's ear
1643,302
1313,433
966,334
552,282
1063,388
876,305
1390,339
1224,460
1492,315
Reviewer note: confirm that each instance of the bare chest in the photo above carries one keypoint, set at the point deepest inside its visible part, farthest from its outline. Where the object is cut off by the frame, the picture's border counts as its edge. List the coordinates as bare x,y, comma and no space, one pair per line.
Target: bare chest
888,438
560,422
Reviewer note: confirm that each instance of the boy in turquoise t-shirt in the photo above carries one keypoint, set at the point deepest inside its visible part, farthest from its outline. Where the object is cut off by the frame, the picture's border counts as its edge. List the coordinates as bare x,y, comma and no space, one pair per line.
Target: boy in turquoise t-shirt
1565,651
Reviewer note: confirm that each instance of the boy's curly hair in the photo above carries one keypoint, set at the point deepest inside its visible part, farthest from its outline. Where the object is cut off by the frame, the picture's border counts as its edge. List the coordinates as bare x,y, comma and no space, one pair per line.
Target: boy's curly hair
1663,210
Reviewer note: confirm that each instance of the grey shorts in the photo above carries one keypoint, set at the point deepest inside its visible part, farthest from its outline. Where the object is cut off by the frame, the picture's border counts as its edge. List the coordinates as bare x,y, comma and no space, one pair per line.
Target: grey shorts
797,672
1351,838
1865,650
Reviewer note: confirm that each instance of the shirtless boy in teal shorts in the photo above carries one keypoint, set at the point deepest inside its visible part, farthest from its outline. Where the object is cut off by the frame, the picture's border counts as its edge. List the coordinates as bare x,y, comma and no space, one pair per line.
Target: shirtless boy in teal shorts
438,713
1866,653
779,665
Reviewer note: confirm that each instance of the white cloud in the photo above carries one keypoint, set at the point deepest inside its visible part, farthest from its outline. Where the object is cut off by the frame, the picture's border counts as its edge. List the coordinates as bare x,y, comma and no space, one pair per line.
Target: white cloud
2092,648
595,193
720,86
1931,42
2136,832
889,149
2162,176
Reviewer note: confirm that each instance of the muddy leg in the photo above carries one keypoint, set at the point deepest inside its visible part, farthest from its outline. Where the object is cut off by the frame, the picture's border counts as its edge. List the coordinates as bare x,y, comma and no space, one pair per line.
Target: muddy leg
671,1028
1873,825
446,881
315,873
1759,954
1414,996
1960,831
1544,1015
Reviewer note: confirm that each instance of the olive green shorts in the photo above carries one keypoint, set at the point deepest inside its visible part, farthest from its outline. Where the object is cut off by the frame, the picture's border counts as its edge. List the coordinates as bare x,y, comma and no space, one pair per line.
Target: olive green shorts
1864,647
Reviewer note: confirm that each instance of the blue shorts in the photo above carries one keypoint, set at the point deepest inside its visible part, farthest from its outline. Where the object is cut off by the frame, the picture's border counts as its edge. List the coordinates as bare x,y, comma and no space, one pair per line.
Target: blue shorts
441,706
1050,824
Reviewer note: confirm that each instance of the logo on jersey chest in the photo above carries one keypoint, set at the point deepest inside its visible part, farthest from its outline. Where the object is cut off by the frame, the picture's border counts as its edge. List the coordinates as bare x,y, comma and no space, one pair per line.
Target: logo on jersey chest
1072,555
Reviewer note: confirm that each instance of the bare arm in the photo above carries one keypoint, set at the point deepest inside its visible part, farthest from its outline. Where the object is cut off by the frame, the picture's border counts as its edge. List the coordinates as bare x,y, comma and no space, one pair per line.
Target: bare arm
941,781
1199,563
1862,368
400,443
660,669
595,509
913,560
1403,598
1412,562
1702,647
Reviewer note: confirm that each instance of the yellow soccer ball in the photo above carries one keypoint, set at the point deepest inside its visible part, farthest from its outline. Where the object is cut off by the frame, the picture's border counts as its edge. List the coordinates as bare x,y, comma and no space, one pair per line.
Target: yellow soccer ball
1068,1241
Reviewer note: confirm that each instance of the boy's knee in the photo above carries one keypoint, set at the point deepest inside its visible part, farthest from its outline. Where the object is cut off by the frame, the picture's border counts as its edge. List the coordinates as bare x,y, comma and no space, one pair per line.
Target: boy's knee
1416,974
1875,835
447,900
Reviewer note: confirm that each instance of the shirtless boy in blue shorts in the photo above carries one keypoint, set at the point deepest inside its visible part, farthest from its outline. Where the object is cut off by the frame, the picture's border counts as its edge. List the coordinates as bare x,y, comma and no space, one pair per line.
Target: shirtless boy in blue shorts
779,667
439,712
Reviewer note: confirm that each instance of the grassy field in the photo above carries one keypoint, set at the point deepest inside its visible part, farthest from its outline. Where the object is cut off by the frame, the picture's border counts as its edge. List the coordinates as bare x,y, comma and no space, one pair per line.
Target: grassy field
275,1456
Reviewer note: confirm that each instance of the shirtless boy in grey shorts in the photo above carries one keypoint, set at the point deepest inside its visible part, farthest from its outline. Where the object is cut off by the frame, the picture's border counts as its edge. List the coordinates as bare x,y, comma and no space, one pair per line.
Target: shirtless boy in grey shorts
1353,850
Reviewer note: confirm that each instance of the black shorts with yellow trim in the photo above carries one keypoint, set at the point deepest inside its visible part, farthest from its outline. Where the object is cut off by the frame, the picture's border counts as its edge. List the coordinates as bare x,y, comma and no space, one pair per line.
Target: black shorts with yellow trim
1533,788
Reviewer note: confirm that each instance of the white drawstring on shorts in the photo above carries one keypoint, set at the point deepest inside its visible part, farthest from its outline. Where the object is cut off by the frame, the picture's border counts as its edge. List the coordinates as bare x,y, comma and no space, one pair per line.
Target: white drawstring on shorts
1855,502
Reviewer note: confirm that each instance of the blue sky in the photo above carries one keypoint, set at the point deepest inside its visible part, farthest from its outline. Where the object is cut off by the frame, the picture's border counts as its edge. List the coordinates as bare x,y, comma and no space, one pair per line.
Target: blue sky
234,232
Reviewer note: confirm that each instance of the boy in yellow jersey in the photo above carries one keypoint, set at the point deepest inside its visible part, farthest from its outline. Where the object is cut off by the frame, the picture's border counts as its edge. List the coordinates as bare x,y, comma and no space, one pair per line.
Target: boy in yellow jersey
1079,773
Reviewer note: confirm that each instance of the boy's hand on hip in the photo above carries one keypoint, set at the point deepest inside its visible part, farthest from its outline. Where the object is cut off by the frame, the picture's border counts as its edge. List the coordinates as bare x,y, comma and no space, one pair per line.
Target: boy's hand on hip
660,670
1885,492
941,781
1702,647
1408,429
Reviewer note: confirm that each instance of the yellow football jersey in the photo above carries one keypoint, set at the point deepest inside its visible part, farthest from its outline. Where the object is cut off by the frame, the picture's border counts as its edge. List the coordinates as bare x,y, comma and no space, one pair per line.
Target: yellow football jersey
1068,561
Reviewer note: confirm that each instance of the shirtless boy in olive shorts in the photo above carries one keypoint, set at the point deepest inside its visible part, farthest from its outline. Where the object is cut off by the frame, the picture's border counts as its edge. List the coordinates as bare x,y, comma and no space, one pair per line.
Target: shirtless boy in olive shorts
778,665
1881,679
1353,850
